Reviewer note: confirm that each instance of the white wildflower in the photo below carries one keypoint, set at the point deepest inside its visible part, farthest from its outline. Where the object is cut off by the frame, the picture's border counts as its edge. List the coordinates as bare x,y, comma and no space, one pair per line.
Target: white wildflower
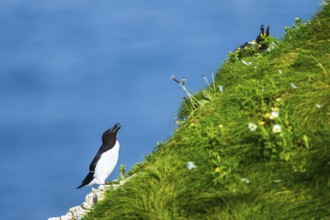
245,180
191,165
246,63
221,88
273,115
293,86
280,72
318,106
277,181
252,126
277,128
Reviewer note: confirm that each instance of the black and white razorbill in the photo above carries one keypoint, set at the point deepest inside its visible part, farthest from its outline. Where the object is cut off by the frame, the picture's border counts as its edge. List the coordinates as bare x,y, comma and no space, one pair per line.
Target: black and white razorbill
105,160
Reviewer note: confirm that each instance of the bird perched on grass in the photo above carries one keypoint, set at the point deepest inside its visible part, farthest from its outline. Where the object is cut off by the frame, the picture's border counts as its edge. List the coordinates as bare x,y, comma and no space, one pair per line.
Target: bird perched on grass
105,160
258,41
261,43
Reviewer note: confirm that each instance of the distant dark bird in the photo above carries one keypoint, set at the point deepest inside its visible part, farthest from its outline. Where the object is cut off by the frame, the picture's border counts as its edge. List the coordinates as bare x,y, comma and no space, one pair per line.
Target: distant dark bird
261,37
105,160
259,40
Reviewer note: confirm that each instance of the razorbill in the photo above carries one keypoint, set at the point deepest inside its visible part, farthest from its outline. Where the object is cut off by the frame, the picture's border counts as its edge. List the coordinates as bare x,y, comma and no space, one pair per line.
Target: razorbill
105,160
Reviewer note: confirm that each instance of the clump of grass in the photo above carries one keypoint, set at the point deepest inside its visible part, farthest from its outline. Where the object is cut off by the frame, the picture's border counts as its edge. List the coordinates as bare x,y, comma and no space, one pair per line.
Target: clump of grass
206,95
253,50
259,150
194,101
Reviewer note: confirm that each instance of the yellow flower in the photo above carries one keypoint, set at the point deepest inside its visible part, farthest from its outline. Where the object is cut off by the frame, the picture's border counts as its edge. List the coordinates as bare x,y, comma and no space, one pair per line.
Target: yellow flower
217,170
266,115
276,109
261,123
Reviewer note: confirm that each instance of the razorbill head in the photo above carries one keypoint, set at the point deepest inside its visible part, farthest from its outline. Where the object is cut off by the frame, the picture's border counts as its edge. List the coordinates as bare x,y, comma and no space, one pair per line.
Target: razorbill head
105,160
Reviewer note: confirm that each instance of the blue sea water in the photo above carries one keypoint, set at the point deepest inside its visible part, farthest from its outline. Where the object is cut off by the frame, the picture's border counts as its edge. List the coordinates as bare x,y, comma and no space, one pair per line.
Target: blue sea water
71,69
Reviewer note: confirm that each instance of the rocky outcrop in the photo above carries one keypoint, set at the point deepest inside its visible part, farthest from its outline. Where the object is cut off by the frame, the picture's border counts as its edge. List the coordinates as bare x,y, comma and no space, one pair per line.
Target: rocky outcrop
96,195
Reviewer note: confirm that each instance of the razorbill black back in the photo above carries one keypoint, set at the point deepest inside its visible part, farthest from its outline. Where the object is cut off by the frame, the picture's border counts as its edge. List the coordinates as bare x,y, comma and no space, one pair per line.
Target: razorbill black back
105,160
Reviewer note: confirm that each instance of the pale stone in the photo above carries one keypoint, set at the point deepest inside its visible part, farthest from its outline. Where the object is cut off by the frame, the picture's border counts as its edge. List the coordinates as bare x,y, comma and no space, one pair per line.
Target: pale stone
99,196
77,212
91,198
86,205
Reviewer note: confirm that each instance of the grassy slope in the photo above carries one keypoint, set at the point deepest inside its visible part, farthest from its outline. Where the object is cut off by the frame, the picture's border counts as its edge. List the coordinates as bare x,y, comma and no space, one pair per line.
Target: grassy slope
288,172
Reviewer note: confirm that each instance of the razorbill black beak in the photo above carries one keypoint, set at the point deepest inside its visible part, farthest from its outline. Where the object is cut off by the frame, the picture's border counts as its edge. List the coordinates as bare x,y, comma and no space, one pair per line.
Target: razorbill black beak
115,128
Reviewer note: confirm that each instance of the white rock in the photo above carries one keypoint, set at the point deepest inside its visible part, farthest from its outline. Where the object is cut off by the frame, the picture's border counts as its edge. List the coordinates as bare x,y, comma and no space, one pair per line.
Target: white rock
77,212
99,196
86,205
91,198
103,187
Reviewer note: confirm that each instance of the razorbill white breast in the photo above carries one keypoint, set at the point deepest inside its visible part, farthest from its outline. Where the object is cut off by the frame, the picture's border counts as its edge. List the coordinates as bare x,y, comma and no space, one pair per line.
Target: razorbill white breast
105,160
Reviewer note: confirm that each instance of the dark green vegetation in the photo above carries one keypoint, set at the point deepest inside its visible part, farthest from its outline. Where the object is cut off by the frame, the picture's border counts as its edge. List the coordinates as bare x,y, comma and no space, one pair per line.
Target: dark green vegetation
260,147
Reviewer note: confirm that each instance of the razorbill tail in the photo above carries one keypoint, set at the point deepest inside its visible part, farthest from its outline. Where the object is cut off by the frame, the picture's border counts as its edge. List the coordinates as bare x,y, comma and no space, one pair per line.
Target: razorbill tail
105,160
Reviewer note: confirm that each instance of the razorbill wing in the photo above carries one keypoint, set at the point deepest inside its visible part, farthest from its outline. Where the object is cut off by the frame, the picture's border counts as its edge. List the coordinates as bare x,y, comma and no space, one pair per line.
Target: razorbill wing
105,160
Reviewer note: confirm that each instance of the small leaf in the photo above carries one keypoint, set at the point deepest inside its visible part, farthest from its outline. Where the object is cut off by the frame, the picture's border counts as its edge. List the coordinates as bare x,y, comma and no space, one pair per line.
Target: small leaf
206,95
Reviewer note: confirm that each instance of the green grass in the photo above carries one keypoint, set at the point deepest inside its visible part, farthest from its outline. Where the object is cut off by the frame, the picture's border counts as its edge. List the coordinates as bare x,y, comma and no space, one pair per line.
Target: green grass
244,174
